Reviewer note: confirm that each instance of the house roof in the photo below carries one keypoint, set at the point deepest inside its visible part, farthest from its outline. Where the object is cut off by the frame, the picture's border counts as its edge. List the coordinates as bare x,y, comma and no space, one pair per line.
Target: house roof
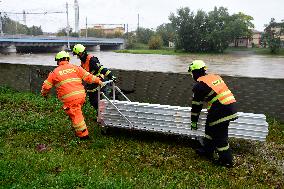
256,31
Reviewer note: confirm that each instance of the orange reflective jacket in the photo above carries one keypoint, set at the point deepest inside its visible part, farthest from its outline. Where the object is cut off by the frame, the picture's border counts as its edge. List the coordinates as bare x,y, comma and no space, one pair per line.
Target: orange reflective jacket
86,64
67,79
224,95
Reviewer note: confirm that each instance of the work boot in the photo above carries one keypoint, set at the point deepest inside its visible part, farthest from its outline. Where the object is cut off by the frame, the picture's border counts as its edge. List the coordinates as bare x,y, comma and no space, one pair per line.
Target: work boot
225,159
201,152
207,150
84,134
84,137
224,164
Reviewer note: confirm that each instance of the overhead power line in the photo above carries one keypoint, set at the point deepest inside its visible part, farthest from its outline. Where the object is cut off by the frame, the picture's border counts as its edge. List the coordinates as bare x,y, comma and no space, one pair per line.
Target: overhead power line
105,24
54,12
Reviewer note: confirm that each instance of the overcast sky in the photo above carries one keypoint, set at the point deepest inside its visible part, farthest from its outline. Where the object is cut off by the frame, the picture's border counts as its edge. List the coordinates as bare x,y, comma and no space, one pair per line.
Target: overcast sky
151,12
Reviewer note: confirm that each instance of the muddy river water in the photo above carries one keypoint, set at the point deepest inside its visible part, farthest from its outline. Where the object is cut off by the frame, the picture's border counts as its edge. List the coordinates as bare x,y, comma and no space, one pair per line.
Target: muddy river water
238,64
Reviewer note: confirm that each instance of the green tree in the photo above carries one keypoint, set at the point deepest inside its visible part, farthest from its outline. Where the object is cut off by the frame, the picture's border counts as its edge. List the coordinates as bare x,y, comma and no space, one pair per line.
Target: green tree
208,32
184,28
13,27
35,30
116,34
240,26
217,33
61,32
167,32
74,34
144,34
131,40
272,36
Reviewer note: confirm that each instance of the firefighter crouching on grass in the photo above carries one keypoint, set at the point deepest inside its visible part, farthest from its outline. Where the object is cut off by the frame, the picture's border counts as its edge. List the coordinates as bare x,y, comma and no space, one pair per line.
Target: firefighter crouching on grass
221,110
67,79
92,64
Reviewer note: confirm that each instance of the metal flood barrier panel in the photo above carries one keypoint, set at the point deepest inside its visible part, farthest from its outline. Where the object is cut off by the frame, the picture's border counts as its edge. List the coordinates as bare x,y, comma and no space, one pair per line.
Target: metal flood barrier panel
173,119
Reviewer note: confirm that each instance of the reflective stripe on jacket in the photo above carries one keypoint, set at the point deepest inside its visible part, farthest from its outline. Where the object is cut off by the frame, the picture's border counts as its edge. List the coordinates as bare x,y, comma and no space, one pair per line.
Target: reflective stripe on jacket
216,83
97,71
67,79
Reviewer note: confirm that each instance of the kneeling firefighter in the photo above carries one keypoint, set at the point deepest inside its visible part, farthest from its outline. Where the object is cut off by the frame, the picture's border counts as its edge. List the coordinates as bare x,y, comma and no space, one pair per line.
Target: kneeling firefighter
212,89
67,79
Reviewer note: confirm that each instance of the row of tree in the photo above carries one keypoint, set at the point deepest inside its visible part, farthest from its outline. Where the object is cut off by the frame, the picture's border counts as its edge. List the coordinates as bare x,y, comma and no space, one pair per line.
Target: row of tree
200,32
189,31
206,32
209,32
10,26
91,32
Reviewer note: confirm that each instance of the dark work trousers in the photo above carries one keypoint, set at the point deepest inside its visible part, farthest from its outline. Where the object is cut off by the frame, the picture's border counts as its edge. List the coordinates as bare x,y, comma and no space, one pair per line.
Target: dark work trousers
93,98
216,138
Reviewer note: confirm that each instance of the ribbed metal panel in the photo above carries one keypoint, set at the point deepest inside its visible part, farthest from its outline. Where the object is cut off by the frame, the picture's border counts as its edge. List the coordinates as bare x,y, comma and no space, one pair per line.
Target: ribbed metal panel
175,120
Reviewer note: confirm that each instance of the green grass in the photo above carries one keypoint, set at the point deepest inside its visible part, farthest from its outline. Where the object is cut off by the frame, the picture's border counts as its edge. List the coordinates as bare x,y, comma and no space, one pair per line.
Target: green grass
148,51
260,51
143,49
266,51
122,159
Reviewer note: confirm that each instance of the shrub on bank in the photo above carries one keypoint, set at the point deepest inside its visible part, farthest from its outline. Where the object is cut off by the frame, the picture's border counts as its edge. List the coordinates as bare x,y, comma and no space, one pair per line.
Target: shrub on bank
155,42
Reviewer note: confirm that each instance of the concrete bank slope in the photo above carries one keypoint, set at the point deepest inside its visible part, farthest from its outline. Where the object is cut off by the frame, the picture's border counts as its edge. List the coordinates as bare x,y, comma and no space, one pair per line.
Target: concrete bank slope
254,95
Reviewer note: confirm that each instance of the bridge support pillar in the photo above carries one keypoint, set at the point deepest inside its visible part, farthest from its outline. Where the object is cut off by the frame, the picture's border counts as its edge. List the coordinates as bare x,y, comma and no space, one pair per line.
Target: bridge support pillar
120,47
95,48
65,48
9,49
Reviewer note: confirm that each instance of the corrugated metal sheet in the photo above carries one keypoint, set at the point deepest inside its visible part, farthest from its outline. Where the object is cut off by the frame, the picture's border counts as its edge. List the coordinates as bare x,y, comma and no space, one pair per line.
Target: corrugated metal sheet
175,120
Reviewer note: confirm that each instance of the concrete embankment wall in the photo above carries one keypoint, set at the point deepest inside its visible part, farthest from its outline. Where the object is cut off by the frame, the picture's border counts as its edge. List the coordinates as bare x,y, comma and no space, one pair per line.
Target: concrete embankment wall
255,95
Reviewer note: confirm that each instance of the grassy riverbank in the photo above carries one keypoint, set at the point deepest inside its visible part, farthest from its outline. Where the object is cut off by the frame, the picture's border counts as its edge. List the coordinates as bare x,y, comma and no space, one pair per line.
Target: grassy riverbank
148,51
260,51
38,150
168,51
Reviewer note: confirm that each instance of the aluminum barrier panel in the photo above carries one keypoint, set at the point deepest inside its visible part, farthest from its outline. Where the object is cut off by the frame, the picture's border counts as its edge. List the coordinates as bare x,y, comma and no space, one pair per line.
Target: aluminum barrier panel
174,120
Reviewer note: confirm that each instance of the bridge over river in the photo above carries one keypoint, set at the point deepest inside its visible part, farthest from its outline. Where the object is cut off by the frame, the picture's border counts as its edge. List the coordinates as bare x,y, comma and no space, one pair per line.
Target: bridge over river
28,44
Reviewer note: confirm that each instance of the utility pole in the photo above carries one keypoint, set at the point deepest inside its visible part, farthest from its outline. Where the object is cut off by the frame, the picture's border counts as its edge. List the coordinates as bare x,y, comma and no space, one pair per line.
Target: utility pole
127,31
1,27
24,17
16,27
76,9
68,27
137,33
138,23
86,28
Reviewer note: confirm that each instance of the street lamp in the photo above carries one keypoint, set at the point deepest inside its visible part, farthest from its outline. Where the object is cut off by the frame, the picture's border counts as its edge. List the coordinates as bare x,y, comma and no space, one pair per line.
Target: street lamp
68,27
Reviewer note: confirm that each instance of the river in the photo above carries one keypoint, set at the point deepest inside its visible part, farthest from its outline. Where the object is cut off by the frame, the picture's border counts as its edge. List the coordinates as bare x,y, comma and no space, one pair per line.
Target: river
237,64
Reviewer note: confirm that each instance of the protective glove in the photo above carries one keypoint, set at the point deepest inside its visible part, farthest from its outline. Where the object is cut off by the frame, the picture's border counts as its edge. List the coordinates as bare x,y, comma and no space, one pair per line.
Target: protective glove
101,83
113,79
193,126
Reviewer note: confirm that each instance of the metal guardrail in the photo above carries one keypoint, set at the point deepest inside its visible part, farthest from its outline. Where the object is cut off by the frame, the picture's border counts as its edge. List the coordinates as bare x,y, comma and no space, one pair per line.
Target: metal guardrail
174,119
